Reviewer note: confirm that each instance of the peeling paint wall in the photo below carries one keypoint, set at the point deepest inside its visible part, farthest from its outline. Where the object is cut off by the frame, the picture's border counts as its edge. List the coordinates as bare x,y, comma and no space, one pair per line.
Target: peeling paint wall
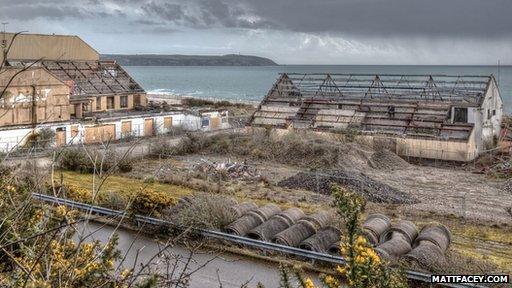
76,132
34,96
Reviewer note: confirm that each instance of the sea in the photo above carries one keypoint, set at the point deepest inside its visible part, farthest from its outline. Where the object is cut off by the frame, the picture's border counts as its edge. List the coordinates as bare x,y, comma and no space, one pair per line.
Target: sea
250,84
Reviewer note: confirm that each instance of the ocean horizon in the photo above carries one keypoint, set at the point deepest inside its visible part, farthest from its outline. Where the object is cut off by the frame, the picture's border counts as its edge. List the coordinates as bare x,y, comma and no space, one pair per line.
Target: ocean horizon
251,83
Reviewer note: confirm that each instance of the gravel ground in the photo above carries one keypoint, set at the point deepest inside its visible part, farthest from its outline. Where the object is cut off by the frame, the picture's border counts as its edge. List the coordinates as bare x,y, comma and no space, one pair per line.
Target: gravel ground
372,190
451,192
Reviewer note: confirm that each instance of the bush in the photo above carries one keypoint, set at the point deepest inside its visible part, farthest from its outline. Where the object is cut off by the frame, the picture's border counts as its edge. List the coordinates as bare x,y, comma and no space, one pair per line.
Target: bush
161,148
74,159
189,144
40,139
150,202
91,160
207,211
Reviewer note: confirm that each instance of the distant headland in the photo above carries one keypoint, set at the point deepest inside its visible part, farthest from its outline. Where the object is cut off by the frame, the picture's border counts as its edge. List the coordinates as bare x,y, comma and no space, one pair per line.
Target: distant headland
189,60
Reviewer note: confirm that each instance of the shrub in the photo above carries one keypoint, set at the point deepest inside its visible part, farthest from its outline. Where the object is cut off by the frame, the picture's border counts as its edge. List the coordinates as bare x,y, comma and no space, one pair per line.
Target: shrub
74,159
91,160
150,202
41,139
176,131
364,266
162,148
77,193
207,211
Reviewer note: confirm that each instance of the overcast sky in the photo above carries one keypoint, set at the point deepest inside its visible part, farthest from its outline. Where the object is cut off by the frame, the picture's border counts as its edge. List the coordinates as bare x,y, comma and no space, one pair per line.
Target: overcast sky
287,31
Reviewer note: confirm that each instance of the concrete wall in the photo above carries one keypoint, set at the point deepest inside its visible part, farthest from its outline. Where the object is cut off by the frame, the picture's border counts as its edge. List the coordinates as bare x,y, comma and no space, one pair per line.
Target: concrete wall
75,132
406,147
486,118
491,114
425,148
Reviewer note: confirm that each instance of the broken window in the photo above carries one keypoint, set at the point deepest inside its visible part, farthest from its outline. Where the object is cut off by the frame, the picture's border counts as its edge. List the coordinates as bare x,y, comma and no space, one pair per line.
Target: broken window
124,101
98,103
460,115
205,122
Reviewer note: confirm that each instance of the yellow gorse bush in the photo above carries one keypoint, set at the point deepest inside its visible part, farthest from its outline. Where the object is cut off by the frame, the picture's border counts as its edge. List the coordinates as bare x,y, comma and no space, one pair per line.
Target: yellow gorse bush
144,201
148,201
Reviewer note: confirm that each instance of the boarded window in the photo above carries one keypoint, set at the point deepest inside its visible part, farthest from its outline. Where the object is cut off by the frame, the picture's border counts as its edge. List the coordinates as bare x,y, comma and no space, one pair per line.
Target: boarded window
148,127
100,133
110,102
167,122
460,115
60,137
126,128
215,122
124,101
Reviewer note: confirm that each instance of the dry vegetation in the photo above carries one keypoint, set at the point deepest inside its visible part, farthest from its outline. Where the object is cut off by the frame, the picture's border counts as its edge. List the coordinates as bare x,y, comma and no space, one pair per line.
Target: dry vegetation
479,244
480,222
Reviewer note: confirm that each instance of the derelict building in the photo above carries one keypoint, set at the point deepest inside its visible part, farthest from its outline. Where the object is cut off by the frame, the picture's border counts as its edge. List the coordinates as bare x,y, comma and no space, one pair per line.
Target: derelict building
427,116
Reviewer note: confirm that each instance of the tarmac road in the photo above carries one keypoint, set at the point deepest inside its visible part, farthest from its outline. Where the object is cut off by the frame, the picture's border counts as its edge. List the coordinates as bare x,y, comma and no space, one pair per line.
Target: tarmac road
231,270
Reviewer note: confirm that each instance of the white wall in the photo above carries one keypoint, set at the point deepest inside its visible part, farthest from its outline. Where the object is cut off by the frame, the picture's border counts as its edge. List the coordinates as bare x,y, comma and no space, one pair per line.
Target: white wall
491,124
486,128
11,138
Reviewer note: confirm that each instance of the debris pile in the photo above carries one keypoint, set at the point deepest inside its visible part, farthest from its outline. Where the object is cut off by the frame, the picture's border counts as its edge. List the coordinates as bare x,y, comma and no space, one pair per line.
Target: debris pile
367,187
228,170
493,164
386,160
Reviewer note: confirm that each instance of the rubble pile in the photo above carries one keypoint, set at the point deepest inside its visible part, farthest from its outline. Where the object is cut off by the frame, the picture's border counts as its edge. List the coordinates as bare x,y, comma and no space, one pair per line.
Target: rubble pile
367,187
387,161
228,170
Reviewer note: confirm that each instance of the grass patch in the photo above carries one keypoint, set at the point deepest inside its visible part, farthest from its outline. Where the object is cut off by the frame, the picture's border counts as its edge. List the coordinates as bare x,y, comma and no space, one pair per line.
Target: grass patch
503,262
485,243
122,185
149,197
484,233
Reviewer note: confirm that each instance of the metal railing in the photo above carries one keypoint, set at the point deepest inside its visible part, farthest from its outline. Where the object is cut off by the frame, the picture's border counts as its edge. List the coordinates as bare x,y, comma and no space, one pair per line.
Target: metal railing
267,246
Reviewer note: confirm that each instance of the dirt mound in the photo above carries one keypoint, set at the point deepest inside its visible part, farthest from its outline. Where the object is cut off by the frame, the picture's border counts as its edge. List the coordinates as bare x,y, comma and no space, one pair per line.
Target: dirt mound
369,188
388,161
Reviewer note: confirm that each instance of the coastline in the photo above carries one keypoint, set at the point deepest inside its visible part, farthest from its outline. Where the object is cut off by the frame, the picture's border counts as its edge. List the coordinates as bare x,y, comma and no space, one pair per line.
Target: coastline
174,99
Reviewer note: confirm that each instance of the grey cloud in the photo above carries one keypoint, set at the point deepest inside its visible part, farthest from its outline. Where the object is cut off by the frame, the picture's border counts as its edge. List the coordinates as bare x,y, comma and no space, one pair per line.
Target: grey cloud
392,17
202,14
454,18
365,18
40,11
